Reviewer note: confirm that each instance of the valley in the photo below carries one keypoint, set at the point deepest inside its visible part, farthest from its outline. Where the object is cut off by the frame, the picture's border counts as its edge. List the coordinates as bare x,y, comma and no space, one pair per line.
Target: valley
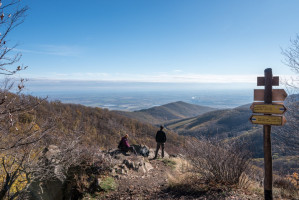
227,125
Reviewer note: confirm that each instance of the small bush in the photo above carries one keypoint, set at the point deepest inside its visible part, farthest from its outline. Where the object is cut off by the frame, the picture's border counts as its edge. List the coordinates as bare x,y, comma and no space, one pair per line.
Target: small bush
108,184
218,162
26,118
286,187
285,184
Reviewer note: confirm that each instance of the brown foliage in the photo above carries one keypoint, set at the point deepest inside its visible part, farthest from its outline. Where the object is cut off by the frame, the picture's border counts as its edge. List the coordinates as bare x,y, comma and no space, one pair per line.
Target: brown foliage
217,162
100,127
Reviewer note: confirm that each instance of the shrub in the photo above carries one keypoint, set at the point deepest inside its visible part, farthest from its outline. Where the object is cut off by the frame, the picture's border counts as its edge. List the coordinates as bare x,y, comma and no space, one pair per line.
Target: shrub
284,183
218,162
288,186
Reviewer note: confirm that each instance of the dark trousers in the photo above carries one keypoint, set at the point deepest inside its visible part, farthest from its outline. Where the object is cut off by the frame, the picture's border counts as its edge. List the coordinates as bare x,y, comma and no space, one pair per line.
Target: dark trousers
158,147
132,149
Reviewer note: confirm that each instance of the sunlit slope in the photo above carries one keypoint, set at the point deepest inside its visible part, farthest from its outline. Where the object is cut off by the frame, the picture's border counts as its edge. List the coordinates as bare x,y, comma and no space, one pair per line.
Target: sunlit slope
168,112
233,124
99,126
223,123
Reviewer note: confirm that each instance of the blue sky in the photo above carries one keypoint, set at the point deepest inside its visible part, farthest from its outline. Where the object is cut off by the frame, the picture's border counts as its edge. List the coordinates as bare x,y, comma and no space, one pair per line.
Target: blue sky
156,40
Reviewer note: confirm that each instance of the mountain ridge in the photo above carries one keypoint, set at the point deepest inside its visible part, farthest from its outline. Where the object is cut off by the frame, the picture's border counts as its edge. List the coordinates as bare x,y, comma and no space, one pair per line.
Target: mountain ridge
167,112
234,124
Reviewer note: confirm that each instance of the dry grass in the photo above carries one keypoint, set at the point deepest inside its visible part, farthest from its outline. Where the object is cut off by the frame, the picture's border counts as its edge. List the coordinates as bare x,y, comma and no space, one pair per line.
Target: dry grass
182,165
283,188
192,184
182,179
186,184
186,180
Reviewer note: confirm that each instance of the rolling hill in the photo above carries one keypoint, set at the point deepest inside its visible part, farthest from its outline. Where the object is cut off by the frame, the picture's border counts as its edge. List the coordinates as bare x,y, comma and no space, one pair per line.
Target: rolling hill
104,127
234,124
94,126
168,112
223,123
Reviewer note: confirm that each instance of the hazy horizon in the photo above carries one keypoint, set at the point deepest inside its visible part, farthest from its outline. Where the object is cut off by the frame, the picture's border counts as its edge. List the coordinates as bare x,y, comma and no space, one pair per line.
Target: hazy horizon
58,85
131,96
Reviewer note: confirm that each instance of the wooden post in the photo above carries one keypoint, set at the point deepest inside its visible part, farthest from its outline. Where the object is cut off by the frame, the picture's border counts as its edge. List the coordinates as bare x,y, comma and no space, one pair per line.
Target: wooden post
267,139
267,108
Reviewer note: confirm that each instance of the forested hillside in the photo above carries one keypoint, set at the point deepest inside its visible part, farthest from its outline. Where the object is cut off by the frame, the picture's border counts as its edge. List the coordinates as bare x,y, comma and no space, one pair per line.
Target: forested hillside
223,123
97,126
234,124
168,112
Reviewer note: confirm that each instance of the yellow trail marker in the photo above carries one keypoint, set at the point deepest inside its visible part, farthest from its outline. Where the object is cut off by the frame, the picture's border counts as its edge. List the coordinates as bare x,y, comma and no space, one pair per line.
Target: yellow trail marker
268,120
268,108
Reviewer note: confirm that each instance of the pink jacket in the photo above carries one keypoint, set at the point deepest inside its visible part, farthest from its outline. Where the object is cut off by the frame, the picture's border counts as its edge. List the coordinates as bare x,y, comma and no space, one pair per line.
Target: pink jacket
124,142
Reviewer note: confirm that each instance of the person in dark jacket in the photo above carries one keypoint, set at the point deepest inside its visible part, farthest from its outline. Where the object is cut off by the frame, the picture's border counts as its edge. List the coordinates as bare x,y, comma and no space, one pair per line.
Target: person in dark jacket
125,146
160,139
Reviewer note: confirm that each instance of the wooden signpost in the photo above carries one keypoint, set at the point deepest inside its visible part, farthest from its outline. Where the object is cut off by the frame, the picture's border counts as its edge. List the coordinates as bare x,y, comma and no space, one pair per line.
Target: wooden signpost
265,118
277,95
261,81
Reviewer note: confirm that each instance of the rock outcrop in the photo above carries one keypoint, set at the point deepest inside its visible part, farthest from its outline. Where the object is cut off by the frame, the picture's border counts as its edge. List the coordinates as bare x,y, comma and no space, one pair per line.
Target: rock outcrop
128,162
61,177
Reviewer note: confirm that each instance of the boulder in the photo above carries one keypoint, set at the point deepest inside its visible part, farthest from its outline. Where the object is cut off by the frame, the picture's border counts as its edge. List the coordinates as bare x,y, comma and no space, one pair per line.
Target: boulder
47,190
137,164
130,164
142,150
51,188
119,169
58,177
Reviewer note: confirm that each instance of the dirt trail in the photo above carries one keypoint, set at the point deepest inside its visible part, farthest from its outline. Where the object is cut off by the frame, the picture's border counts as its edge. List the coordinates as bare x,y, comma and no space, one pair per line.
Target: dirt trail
143,186
154,186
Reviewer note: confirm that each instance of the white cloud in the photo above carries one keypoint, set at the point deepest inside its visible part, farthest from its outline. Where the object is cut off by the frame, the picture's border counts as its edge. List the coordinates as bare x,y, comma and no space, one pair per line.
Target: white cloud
177,71
161,77
58,50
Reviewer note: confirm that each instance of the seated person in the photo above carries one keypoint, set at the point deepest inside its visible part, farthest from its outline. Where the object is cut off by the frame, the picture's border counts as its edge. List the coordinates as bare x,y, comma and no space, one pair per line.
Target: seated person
124,145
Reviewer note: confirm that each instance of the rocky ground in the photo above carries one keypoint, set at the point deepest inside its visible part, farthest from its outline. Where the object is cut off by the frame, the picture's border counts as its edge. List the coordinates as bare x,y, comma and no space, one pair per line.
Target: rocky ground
139,185
115,175
142,178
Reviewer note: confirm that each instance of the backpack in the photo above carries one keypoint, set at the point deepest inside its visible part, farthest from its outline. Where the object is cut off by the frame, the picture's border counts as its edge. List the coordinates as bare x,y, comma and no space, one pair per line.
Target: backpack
144,152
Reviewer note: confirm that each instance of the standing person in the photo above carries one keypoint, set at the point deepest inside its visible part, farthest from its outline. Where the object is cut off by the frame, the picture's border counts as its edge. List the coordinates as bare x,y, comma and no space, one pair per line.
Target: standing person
160,139
125,146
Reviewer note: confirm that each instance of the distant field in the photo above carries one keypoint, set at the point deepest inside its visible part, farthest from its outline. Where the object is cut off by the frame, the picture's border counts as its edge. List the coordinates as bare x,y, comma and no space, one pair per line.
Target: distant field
131,101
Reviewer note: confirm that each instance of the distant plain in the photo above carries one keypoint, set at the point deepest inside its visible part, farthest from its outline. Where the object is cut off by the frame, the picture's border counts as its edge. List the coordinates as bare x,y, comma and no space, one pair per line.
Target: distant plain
132,96
132,101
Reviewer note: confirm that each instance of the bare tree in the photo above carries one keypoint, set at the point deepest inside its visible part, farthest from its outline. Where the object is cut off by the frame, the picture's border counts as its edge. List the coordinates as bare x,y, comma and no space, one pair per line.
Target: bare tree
12,14
18,139
289,134
291,55
23,136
